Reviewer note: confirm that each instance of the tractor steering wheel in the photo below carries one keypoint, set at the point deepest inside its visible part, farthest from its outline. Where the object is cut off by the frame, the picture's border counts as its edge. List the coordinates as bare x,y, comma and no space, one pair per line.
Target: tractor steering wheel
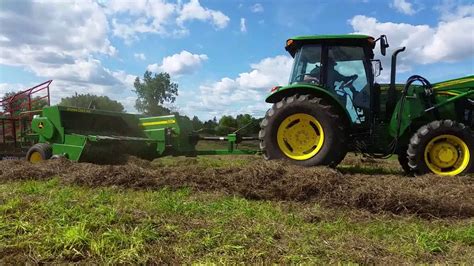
348,84
312,79
299,77
313,76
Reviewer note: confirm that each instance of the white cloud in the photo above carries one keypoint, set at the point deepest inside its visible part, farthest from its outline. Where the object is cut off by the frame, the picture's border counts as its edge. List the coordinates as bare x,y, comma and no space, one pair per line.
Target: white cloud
124,78
139,56
64,47
451,11
257,8
246,91
9,87
194,11
449,41
159,17
154,68
179,64
243,27
157,10
267,73
144,17
71,30
404,7
129,103
129,31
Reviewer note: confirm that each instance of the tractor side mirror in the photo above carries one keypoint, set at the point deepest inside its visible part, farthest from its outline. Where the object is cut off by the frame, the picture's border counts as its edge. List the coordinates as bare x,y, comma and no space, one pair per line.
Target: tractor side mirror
383,44
376,67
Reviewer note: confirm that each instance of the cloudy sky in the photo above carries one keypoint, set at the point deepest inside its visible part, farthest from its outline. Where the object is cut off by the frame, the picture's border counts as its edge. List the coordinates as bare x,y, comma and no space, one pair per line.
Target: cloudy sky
225,55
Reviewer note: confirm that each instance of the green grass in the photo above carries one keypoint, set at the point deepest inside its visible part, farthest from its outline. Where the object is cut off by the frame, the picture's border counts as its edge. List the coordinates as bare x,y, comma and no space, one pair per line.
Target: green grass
45,221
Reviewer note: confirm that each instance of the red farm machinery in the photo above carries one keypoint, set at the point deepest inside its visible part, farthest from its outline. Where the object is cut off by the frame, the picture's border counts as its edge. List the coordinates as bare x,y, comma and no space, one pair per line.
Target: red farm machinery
16,113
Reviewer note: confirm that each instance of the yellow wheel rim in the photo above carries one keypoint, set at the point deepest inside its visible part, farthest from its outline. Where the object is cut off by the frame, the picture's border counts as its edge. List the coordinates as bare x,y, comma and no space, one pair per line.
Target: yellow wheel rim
300,136
35,157
447,155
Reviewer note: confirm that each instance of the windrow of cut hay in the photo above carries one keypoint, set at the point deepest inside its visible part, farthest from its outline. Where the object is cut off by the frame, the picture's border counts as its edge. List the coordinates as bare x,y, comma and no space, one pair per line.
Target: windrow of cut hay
426,196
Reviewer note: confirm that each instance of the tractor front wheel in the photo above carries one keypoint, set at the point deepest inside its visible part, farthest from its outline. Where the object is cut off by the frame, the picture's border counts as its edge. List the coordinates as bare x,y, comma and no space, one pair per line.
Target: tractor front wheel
39,152
403,160
443,148
304,130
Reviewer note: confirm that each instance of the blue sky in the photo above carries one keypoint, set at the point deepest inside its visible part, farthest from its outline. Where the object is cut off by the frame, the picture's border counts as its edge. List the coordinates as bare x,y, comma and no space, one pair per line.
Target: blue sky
225,55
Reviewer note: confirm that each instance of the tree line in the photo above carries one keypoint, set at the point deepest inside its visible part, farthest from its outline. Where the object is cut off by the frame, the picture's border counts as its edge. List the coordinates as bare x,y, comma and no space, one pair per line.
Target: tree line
154,91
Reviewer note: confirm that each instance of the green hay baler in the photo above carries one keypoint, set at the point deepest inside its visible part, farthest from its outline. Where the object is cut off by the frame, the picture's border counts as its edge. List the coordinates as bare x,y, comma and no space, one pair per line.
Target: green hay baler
86,135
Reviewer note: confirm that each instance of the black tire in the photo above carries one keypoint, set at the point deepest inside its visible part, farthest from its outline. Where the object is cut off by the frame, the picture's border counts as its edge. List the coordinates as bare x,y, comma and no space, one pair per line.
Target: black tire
423,136
43,149
334,147
403,161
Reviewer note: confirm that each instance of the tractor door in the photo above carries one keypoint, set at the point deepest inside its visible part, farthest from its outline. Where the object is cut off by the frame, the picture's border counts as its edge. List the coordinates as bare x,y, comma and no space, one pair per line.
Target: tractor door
347,74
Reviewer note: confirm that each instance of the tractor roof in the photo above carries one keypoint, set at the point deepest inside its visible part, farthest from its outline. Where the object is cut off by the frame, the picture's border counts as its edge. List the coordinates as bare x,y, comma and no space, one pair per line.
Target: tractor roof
294,43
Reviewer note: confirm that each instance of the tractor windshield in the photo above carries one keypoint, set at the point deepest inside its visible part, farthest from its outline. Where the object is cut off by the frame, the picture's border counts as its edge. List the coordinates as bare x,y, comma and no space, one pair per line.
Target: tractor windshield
307,65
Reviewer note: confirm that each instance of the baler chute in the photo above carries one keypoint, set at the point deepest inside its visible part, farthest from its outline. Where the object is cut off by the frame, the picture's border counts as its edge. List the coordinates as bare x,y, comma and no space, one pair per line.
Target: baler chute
86,135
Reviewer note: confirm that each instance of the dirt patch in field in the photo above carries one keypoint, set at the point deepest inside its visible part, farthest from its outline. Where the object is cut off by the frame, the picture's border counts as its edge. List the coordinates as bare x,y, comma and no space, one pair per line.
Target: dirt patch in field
426,196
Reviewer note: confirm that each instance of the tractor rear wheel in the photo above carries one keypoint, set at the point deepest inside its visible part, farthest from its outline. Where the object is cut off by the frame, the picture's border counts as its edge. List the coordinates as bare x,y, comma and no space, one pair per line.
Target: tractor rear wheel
305,130
442,147
39,152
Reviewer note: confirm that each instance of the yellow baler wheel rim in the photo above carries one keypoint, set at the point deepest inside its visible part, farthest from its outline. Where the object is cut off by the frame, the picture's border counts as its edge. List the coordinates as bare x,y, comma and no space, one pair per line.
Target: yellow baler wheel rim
36,157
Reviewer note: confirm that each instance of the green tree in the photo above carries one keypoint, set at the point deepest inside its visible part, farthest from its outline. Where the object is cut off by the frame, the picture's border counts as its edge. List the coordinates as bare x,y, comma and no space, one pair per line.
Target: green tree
227,124
92,101
153,92
210,126
197,124
247,124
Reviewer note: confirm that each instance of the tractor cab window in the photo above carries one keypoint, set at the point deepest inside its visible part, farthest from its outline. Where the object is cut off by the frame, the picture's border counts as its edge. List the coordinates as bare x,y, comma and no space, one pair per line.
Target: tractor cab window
307,65
346,77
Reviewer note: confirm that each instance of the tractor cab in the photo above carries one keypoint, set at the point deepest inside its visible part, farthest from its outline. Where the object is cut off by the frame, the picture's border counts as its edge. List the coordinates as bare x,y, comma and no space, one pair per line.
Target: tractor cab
341,65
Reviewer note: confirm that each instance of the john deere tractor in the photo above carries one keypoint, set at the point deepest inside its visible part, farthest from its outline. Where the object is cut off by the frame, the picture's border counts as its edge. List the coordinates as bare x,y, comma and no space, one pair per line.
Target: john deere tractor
332,105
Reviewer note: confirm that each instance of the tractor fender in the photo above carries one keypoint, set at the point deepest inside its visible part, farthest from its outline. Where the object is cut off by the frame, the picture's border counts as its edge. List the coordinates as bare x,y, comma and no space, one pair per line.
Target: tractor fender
317,91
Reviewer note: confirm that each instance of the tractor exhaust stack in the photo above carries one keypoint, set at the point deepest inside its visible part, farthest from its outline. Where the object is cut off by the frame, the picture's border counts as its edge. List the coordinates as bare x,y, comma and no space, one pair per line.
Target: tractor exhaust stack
391,97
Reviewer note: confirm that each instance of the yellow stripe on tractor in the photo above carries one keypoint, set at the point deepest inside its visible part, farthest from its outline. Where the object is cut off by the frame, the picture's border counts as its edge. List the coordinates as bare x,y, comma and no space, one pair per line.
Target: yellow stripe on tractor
156,123
448,93
453,82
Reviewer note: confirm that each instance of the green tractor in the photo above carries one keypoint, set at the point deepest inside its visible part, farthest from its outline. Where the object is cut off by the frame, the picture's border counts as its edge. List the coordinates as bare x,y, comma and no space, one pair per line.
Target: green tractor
333,105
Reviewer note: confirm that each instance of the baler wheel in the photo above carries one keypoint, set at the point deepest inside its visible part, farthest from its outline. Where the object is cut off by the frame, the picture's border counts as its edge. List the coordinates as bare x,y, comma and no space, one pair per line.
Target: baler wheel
39,152
305,130
442,147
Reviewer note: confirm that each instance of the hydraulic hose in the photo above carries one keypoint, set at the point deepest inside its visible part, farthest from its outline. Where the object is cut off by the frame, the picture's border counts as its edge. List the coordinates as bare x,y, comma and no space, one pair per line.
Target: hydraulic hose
394,144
